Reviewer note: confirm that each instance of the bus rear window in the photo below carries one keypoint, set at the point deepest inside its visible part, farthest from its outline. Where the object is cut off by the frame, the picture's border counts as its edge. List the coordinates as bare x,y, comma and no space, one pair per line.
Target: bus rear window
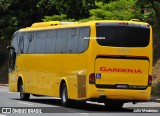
123,35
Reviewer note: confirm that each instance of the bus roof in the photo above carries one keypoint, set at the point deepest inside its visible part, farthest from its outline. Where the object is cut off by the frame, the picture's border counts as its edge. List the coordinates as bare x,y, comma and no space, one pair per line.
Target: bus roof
59,24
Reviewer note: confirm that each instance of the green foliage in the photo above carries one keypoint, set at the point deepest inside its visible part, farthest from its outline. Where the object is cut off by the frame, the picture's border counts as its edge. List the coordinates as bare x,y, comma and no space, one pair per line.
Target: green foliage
61,17
152,7
74,9
85,20
151,15
105,1
145,11
115,10
156,89
17,14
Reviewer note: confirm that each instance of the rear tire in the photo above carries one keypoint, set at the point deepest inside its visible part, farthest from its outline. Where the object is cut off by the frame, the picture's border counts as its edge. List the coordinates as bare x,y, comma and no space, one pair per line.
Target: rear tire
64,96
23,95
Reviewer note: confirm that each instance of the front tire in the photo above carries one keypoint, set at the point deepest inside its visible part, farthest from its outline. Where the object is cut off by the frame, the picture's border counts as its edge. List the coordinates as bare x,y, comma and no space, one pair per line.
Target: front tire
23,95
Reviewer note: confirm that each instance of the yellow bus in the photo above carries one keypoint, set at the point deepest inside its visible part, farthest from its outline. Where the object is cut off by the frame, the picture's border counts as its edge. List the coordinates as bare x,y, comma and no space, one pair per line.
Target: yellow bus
105,61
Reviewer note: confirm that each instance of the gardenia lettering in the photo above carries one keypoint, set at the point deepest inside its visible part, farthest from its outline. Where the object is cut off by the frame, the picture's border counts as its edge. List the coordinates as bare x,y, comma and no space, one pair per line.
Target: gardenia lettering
124,70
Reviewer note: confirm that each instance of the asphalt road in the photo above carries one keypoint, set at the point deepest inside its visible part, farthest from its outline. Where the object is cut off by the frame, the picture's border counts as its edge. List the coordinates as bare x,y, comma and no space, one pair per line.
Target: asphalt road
50,106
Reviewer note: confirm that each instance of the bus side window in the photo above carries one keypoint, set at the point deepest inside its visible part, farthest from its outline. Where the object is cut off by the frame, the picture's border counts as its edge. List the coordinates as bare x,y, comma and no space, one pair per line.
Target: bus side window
21,43
32,43
61,42
72,43
15,41
40,41
50,41
83,43
26,43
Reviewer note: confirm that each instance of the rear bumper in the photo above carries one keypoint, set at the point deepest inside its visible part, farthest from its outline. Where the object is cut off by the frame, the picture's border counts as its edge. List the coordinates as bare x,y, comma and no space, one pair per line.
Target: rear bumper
120,94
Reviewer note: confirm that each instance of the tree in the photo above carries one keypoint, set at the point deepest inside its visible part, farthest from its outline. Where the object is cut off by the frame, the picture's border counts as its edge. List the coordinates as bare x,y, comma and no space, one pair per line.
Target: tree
105,1
151,15
61,17
153,6
17,14
74,9
119,9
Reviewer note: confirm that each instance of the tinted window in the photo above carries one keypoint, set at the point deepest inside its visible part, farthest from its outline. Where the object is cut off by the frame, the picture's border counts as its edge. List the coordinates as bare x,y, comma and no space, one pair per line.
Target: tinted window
68,40
61,40
32,42
26,42
21,43
15,41
83,43
72,43
51,41
123,36
40,41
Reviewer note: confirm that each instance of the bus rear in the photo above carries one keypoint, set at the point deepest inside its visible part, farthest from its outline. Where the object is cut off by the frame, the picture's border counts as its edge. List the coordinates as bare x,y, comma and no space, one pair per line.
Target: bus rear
122,61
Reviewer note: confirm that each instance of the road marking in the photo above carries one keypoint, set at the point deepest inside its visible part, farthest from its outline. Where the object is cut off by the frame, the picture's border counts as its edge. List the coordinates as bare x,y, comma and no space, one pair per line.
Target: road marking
84,114
25,103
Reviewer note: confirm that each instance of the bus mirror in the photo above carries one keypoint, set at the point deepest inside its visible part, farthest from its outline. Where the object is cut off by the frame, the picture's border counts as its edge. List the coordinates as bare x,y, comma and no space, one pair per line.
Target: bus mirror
10,47
14,54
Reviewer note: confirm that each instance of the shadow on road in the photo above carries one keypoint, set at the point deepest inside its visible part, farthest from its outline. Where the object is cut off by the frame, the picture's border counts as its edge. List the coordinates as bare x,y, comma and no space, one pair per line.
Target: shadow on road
77,106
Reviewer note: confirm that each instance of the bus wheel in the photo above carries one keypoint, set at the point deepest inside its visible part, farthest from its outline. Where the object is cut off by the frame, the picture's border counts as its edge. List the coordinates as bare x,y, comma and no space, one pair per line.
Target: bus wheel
23,96
64,95
113,105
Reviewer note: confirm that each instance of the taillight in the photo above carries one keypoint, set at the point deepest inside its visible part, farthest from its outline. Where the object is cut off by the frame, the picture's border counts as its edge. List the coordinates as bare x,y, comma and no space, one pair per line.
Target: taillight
149,80
92,78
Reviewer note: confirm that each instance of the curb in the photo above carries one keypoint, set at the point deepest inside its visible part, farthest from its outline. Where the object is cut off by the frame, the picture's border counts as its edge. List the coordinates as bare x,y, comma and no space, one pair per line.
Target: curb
157,100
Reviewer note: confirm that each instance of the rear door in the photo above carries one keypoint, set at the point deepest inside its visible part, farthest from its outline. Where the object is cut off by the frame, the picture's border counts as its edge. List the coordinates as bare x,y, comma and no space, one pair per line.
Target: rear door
121,72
